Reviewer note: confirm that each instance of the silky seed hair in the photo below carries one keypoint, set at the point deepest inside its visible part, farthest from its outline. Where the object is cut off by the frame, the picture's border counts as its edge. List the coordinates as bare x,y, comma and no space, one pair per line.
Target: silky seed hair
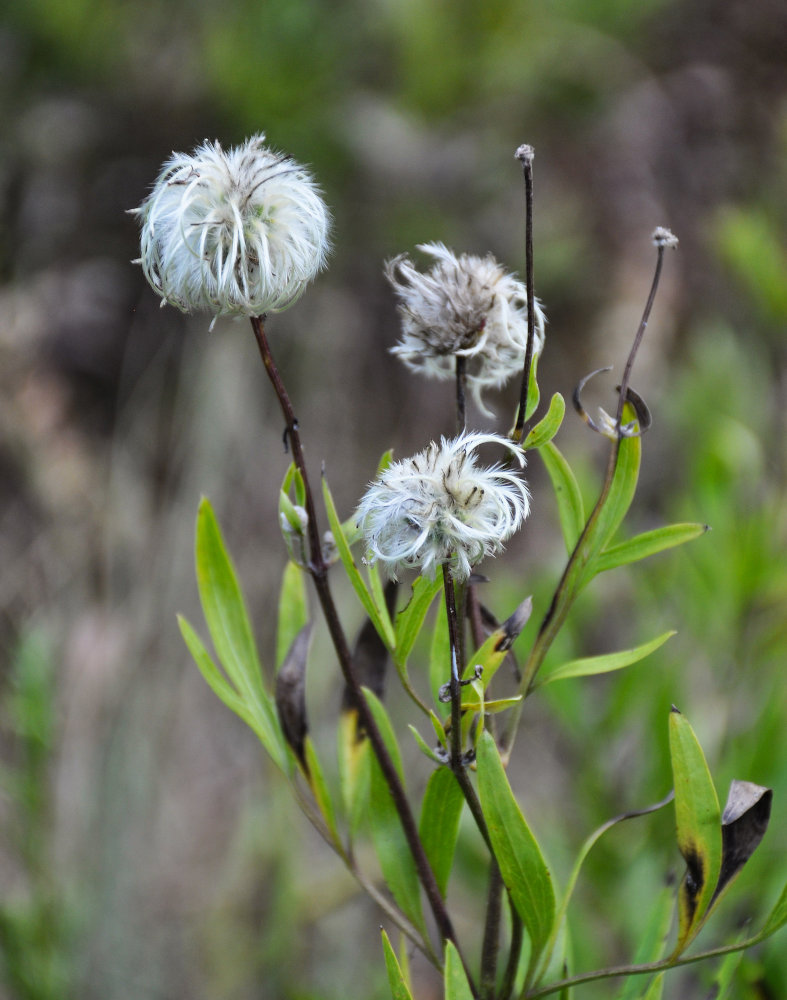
440,507
240,232
462,306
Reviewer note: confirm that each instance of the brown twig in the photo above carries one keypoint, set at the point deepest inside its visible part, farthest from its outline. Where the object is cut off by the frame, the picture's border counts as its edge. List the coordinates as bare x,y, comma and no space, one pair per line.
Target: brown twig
318,570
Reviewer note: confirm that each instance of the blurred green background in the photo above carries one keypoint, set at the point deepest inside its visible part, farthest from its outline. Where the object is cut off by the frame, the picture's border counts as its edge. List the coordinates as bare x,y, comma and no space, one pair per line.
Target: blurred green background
146,850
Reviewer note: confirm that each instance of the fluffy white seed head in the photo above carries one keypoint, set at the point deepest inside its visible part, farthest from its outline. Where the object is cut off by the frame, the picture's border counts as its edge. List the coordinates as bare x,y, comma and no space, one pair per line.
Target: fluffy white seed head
234,233
462,306
440,507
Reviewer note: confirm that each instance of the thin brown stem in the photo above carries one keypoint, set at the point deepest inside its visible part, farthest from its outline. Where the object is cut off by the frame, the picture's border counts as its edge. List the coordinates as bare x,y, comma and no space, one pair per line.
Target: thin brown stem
648,968
457,760
455,687
512,966
491,943
525,155
319,573
563,598
461,390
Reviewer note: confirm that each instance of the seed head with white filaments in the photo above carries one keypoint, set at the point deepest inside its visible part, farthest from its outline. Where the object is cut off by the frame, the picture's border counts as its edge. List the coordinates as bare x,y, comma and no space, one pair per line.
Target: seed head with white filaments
238,233
440,507
462,306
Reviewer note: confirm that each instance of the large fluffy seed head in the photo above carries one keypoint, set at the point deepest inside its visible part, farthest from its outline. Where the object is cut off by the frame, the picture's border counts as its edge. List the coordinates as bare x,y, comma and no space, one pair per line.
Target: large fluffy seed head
239,232
462,306
440,507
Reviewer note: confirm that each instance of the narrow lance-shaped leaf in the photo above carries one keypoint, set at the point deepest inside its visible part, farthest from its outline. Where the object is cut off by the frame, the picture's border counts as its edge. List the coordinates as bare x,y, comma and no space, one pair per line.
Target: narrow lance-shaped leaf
293,609
391,846
519,857
698,821
370,661
378,615
456,984
396,980
439,658
424,747
570,508
602,664
354,768
646,544
411,617
319,787
548,426
228,623
652,943
777,918
618,500
439,824
223,690
724,980
584,850
224,607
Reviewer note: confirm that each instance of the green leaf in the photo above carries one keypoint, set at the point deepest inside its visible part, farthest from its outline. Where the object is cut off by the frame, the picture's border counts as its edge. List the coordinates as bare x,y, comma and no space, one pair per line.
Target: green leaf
570,508
396,980
548,426
287,508
439,658
377,614
584,850
423,746
390,843
293,609
411,617
228,623
224,607
522,865
778,915
456,984
533,391
491,707
651,944
266,730
647,544
386,729
439,824
606,662
621,493
656,989
698,821
439,728
320,791
354,769
724,980
494,649
216,680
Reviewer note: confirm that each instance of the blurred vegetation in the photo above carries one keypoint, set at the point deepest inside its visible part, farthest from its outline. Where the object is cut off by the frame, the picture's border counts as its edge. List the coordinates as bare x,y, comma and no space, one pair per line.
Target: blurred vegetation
145,851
